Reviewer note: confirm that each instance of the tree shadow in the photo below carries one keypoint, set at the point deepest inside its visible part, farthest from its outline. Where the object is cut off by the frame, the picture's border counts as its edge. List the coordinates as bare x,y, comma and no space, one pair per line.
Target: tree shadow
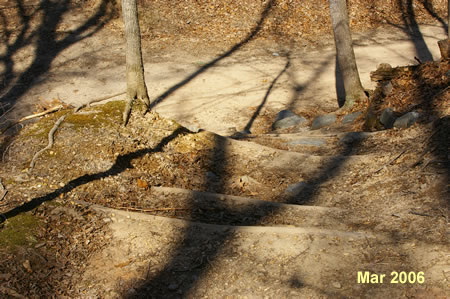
429,8
195,254
248,38
249,124
122,163
48,42
411,28
298,88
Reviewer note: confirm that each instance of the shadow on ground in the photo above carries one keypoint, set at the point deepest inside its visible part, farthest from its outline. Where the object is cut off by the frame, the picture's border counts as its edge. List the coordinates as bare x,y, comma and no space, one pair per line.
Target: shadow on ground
37,26
197,263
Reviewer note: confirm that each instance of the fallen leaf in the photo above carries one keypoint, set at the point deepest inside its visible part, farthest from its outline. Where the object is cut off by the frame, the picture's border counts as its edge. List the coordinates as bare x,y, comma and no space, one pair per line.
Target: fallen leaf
142,184
27,265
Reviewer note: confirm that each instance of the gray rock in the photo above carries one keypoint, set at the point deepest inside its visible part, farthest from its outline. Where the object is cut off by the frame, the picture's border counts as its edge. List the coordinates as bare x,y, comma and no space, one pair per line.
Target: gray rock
173,286
295,189
386,87
387,118
284,114
354,136
192,128
323,121
349,118
406,120
308,141
286,119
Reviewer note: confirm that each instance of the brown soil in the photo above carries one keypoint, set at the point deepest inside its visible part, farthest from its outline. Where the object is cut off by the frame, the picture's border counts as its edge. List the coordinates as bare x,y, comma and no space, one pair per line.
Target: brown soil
79,223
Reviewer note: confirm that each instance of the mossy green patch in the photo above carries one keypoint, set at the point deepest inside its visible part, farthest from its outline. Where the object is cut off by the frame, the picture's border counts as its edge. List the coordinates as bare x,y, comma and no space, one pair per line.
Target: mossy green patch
19,231
95,117
98,116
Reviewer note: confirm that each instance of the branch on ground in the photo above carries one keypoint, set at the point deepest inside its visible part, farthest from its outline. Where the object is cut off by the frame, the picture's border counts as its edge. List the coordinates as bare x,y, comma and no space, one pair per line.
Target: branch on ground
50,142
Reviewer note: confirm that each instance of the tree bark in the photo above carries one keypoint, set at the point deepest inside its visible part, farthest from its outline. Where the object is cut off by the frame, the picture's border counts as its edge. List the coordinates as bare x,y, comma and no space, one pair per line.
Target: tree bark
344,51
136,88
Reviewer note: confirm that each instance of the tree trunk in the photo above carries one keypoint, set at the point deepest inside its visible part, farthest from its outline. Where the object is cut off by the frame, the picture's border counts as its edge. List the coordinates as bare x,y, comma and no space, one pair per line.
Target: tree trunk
136,88
345,56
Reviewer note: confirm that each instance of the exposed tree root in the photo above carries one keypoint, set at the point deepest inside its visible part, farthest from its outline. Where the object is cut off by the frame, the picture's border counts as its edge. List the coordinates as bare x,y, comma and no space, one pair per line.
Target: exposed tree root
48,111
3,191
127,111
50,142
78,108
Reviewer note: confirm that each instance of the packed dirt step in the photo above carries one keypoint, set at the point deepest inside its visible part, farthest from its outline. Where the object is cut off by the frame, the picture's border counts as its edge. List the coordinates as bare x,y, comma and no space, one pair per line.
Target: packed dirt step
231,216
265,262
238,210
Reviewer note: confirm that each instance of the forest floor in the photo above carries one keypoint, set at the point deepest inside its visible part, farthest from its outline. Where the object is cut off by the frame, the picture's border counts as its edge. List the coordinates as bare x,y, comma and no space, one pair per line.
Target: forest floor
177,205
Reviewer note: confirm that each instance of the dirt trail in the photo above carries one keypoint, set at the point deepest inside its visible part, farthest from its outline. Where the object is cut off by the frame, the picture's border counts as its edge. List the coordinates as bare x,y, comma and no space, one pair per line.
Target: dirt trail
155,210
218,99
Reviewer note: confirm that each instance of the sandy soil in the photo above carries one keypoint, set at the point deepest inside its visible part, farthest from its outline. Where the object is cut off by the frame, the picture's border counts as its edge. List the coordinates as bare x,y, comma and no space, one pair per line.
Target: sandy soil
197,88
158,210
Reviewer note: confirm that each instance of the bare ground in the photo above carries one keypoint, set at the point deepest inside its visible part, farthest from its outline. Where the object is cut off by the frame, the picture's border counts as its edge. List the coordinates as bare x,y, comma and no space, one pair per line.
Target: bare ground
157,210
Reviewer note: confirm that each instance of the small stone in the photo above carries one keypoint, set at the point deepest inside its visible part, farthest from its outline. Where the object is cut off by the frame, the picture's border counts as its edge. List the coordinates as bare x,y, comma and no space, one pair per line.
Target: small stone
407,120
387,118
231,130
284,114
349,118
132,292
384,67
323,121
247,180
193,128
286,119
337,285
386,87
27,265
295,189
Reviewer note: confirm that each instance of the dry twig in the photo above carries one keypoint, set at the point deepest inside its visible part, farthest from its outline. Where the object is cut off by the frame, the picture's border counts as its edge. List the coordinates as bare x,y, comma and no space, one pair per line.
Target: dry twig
7,149
419,214
50,110
50,141
3,191
97,100
149,210
390,162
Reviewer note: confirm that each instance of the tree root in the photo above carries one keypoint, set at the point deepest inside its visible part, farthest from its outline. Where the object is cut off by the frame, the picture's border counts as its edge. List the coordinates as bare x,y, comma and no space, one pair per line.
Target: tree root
78,108
3,191
50,142
127,111
149,210
50,110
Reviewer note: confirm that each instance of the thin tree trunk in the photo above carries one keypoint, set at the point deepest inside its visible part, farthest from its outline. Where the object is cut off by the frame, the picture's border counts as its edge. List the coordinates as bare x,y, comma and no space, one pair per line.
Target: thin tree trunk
136,88
345,56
